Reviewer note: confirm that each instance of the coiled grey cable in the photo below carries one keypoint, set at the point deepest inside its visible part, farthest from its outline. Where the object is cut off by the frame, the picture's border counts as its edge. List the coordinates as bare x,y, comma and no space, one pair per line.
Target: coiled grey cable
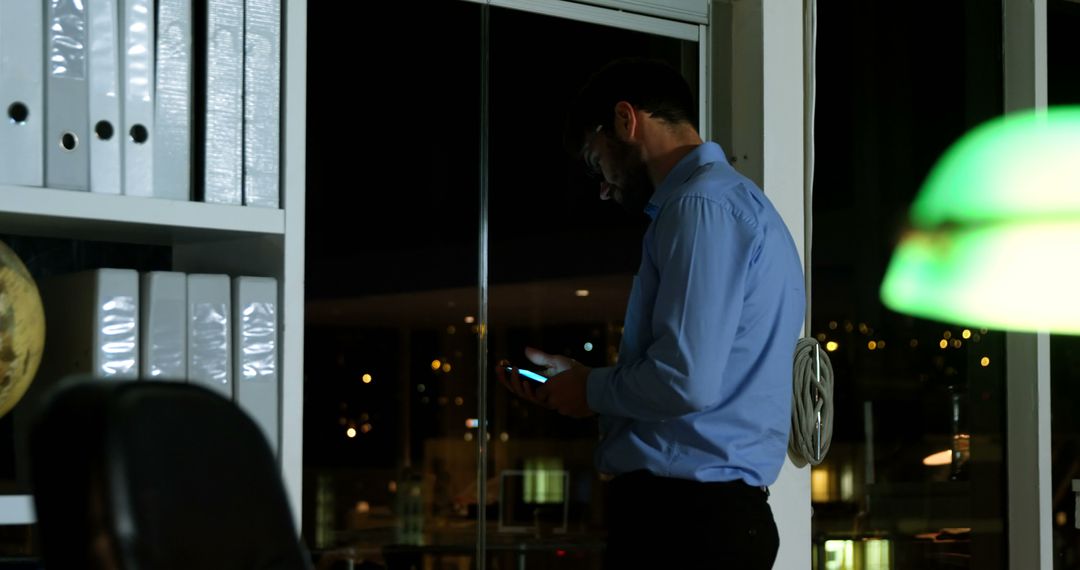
811,405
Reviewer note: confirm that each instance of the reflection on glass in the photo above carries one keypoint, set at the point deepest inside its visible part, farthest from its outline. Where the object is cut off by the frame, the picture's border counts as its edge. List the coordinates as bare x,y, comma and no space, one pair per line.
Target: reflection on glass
915,476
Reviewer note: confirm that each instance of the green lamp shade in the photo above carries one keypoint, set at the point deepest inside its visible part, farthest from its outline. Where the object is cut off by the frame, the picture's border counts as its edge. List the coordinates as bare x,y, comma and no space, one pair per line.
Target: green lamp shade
995,238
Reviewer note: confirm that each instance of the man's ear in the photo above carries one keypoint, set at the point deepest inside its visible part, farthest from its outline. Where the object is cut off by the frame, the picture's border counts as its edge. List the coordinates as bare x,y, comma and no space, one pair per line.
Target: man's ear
626,121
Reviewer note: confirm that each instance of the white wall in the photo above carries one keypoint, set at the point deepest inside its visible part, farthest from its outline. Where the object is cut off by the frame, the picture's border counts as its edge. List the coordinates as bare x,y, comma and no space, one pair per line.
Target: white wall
758,117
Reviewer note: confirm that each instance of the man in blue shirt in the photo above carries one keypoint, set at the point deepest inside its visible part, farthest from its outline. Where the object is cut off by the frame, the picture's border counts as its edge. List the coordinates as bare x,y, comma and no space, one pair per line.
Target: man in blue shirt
694,416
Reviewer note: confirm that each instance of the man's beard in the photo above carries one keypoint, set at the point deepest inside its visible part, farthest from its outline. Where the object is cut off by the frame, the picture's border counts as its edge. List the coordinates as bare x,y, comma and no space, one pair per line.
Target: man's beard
636,188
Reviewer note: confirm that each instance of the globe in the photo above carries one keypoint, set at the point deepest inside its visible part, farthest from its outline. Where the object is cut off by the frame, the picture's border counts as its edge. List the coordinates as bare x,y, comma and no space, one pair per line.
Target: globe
22,329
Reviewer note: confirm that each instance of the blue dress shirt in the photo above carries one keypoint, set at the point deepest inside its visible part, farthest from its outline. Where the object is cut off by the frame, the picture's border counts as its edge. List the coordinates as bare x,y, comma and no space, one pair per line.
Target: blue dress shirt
703,384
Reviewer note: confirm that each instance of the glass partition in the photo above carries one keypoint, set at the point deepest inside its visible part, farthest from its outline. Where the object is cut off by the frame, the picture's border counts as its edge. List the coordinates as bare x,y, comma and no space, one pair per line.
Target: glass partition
562,263
392,253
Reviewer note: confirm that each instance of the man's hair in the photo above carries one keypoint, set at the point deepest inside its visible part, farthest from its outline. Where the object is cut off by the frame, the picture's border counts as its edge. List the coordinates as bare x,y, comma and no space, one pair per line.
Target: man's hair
648,84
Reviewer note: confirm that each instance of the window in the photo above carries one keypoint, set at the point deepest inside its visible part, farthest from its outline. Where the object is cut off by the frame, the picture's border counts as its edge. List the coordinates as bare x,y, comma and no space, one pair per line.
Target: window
392,362
915,475
1063,48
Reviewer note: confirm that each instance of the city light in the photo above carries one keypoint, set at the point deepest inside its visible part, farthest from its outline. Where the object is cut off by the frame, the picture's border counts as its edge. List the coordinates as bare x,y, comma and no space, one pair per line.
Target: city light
938,459
366,378
985,361
365,428
831,346
944,343
588,347
820,484
966,334
351,432
470,320
446,367
582,292
840,553
871,345
436,364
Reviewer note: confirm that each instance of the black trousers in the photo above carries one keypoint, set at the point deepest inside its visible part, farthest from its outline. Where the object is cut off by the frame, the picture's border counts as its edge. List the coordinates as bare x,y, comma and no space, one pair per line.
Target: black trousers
659,522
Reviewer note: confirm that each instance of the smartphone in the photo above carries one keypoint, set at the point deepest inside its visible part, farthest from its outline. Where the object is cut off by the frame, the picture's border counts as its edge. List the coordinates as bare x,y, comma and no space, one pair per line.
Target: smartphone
527,374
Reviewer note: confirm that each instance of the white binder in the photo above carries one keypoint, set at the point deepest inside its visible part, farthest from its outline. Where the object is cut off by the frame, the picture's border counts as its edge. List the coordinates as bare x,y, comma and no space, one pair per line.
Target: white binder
209,332
255,352
262,87
224,105
137,88
67,163
104,88
172,111
163,321
99,312
22,66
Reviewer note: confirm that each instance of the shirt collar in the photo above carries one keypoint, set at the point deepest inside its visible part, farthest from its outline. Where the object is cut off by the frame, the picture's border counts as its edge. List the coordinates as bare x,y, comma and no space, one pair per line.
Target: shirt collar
705,153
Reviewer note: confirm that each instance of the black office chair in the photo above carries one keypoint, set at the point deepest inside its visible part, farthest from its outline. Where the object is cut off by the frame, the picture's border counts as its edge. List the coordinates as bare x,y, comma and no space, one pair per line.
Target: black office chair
156,476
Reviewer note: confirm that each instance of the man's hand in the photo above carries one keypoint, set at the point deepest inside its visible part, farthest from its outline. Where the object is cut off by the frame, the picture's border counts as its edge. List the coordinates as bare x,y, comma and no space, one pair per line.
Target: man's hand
564,391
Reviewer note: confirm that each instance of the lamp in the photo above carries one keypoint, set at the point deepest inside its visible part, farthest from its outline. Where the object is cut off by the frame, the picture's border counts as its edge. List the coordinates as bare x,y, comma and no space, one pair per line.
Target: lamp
995,229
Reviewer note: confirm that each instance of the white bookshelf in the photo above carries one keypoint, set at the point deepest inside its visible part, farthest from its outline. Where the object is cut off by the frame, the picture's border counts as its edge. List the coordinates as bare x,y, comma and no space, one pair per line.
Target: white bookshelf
209,238
84,215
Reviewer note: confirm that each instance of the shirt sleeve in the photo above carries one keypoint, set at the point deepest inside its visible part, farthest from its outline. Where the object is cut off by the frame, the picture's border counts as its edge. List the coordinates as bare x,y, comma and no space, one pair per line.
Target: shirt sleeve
702,252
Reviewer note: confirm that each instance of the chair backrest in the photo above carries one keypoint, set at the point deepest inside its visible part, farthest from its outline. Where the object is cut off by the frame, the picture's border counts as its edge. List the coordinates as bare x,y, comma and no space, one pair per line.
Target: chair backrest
155,475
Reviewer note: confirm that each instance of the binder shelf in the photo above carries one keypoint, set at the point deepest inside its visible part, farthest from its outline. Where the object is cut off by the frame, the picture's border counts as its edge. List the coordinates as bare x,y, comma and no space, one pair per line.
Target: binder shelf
86,215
